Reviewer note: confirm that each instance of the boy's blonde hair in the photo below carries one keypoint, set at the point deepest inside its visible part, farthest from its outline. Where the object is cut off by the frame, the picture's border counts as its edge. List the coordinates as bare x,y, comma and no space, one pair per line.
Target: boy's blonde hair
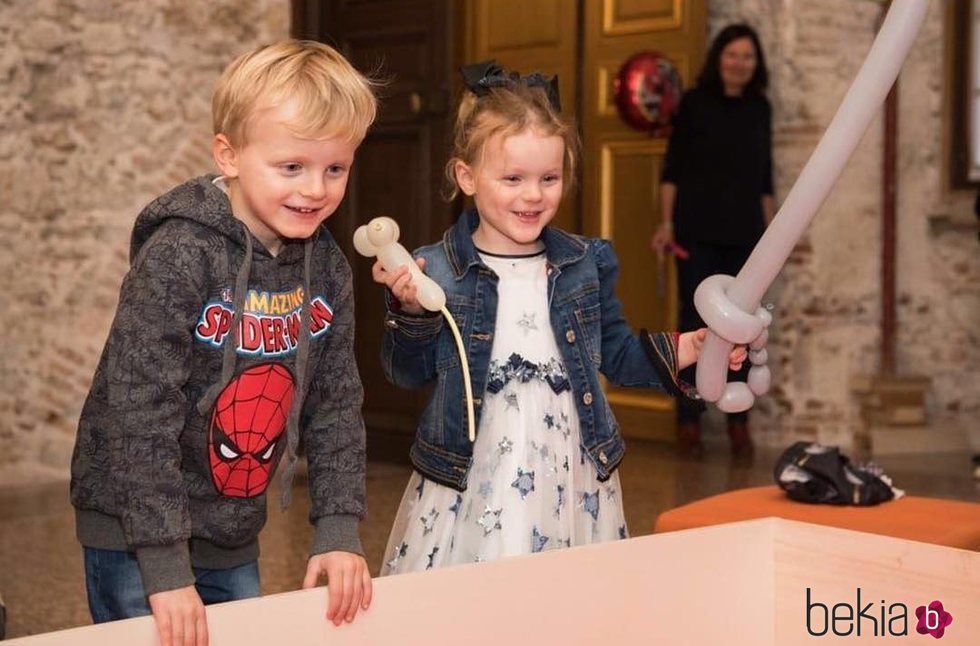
334,99
507,110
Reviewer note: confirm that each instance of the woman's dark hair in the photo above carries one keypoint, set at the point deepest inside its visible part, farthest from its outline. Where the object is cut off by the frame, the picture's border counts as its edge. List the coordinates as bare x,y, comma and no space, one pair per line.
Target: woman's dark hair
710,77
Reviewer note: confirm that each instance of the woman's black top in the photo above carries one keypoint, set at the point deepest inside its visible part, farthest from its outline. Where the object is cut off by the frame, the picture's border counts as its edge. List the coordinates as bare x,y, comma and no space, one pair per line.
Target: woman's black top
720,158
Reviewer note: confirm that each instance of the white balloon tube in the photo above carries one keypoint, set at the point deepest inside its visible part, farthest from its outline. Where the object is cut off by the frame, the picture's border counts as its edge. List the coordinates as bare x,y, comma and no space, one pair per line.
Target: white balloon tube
866,94
428,292
380,237
465,367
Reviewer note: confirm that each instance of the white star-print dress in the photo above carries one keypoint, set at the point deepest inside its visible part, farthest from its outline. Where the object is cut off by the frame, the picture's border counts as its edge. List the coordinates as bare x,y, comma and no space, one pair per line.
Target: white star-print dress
531,488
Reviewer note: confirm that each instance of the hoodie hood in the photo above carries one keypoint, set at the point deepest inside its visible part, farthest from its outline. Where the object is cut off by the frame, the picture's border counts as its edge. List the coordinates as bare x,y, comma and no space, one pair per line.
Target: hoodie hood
202,200
199,200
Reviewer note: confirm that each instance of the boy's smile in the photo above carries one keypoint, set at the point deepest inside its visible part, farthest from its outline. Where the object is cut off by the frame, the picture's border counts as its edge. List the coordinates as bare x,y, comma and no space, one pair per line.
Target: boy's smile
283,185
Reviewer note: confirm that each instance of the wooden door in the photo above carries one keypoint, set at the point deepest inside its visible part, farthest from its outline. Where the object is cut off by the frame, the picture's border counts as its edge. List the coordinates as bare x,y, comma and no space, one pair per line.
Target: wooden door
398,168
622,168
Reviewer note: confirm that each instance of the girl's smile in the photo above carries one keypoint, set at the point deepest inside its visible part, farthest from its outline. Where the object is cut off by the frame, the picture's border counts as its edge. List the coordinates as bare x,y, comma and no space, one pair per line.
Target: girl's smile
517,188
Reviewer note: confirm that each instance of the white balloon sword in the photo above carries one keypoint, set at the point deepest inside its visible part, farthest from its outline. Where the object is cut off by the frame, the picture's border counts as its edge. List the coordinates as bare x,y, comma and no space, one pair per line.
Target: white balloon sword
730,306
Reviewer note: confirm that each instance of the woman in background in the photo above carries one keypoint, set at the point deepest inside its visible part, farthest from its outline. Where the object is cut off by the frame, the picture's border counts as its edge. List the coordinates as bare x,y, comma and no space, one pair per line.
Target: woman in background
716,191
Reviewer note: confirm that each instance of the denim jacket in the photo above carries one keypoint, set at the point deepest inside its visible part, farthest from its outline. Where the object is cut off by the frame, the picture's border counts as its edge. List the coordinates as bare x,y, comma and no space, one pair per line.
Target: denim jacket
589,329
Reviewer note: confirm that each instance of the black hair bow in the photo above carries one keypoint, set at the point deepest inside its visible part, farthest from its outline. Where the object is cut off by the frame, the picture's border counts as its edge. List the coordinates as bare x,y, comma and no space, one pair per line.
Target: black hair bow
480,78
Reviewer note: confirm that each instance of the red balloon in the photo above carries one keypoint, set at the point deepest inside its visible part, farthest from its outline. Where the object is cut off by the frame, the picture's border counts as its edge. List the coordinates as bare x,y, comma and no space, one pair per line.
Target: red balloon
648,91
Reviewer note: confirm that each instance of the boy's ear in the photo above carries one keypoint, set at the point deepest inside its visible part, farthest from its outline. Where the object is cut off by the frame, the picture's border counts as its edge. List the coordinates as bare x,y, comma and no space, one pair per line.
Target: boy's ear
225,155
465,178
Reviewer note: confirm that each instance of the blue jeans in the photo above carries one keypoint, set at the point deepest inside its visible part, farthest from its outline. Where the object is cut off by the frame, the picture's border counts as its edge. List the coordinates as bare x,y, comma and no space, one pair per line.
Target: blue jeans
115,586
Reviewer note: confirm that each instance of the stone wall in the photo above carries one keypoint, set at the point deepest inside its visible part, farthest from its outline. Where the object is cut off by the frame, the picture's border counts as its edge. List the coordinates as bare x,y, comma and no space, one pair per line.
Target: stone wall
827,313
105,104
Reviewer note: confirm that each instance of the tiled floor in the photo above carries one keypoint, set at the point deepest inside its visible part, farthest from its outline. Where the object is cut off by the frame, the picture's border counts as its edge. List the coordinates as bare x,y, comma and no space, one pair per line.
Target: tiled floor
40,561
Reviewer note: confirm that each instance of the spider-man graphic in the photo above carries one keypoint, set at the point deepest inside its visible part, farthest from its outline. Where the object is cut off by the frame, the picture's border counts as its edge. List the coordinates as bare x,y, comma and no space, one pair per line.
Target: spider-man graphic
248,420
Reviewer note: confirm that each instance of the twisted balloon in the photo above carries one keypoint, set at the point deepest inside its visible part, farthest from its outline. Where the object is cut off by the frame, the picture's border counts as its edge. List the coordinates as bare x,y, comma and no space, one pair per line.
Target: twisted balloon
725,303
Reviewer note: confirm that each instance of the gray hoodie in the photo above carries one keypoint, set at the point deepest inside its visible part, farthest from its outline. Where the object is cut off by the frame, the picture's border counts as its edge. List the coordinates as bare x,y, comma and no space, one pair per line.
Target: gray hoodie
180,433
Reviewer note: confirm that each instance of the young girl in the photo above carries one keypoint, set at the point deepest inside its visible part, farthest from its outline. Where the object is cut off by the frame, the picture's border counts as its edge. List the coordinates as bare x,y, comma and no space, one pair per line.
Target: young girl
537,312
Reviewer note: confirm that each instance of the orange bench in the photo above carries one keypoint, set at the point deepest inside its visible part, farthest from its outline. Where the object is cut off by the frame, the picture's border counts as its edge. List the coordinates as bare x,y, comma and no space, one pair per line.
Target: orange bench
929,520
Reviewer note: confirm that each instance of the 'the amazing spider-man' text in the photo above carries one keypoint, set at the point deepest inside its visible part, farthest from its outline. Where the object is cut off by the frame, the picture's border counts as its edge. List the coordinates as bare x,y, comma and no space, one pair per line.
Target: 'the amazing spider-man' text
269,324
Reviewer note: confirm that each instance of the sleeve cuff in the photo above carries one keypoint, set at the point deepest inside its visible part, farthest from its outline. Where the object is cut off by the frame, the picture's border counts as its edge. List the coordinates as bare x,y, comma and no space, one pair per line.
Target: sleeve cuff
165,567
661,349
337,532
416,326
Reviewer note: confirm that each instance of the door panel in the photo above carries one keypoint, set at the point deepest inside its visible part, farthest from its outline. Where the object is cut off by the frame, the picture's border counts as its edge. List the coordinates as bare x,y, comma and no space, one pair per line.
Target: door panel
620,17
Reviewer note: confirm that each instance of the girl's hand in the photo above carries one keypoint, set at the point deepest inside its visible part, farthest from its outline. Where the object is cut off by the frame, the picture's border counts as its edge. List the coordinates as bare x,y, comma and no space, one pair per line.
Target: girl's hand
348,583
689,350
401,285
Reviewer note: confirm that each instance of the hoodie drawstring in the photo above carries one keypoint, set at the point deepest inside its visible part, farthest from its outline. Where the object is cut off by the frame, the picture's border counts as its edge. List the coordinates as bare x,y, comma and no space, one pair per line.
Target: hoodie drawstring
302,359
229,352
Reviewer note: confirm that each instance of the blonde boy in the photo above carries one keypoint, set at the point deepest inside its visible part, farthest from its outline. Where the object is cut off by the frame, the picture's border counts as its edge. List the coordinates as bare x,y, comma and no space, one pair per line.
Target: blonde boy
232,342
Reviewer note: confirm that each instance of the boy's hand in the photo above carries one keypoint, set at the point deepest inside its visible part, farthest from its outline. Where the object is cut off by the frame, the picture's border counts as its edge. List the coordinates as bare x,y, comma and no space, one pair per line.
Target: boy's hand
180,617
401,285
689,350
348,583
